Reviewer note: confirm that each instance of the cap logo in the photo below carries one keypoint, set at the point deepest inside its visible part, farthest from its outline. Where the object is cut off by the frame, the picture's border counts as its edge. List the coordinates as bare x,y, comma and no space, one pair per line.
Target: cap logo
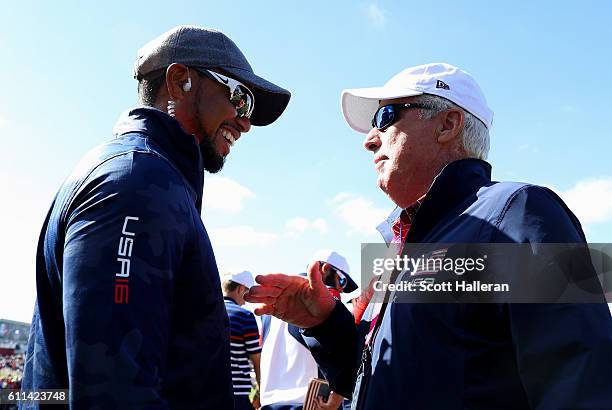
442,84
224,80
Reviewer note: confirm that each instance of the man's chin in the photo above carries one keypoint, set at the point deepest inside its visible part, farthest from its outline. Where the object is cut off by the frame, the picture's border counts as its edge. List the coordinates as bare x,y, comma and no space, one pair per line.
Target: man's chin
214,168
214,165
213,161
398,198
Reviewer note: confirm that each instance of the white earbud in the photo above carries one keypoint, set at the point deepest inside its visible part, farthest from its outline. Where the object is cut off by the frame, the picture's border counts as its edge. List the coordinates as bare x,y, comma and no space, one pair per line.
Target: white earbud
187,85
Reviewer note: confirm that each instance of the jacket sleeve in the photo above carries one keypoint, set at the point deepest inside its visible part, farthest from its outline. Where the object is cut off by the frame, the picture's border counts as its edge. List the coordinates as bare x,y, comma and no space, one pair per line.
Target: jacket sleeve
124,236
564,351
334,344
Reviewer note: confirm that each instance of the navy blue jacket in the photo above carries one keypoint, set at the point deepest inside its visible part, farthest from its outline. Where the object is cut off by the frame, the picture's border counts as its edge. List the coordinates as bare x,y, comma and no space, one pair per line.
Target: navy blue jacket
129,311
478,356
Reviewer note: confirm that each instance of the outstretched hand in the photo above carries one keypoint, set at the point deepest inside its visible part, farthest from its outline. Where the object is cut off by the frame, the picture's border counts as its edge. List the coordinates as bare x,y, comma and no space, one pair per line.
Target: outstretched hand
293,299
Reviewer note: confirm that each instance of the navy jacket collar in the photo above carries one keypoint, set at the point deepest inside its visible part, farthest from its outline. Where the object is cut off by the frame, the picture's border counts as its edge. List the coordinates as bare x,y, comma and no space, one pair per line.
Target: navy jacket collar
230,300
181,148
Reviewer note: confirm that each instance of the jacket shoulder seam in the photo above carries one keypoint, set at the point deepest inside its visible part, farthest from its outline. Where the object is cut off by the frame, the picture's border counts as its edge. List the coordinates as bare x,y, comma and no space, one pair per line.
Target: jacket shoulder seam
508,203
148,150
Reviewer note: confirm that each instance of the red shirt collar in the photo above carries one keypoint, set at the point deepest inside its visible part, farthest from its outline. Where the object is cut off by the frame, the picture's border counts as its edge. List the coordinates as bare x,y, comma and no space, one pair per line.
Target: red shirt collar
401,226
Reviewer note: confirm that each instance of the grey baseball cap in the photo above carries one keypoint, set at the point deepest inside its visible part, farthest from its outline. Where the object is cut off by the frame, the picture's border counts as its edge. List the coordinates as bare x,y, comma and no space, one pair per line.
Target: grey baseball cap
209,48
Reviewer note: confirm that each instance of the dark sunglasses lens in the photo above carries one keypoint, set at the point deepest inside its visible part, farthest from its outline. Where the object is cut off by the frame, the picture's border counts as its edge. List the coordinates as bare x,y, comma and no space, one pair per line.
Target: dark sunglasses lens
384,117
242,100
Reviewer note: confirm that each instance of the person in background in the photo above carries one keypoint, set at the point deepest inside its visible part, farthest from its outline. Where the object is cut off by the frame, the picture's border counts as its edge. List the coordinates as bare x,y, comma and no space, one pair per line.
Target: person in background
244,337
287,364
335,272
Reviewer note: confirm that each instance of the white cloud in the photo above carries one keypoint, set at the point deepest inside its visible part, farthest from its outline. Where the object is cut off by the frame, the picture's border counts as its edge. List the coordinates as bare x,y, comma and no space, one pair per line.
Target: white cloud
320,225
299,225
360,214
22,213
341,197
237,236
225,195
590,200
376,15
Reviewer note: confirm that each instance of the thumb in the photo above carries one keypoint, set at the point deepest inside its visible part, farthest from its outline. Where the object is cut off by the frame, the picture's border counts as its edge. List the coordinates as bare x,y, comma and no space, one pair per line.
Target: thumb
320,303
315,277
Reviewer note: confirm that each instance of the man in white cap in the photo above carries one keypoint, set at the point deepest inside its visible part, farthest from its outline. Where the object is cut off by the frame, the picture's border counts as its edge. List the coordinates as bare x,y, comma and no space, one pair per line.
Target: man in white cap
428,129
244,337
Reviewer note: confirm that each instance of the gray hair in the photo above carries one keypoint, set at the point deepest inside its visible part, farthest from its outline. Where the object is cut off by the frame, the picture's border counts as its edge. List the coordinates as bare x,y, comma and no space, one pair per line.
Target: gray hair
475,135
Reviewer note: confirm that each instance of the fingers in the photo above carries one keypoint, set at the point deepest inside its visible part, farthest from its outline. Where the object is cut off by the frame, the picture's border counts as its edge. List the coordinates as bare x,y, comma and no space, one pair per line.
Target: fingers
264,291
270,309
275,279
277,308
260,299
263,294
264,310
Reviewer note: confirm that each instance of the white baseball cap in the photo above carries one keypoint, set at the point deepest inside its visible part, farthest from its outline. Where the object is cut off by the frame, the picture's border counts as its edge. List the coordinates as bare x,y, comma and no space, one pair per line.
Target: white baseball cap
333,258
244,278
441,79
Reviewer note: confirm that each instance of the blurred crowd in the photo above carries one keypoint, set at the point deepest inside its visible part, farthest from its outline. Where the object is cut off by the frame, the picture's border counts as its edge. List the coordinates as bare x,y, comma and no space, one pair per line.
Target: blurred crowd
11,371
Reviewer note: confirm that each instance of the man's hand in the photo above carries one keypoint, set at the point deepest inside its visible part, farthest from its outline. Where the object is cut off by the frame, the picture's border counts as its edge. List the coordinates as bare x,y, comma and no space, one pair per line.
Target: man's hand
333,402
256,403
294,299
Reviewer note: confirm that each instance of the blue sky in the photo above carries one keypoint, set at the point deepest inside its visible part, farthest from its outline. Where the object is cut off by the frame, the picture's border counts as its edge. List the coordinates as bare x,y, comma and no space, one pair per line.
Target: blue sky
304,183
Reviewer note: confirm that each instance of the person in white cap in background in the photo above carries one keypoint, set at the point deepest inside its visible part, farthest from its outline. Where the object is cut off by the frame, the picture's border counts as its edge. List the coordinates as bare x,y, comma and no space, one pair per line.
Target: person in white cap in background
428,130
286,364
336,272
244,338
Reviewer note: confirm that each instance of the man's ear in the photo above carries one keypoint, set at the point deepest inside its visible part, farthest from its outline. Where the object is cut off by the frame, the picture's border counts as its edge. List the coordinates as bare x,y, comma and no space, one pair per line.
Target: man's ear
176,77
451,125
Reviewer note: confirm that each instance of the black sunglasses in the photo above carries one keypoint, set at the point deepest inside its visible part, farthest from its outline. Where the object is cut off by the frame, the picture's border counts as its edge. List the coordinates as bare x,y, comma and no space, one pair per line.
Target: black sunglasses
388,114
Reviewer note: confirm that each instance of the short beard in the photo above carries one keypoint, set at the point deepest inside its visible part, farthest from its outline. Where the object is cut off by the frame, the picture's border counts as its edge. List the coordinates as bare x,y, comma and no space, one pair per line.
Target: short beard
213,161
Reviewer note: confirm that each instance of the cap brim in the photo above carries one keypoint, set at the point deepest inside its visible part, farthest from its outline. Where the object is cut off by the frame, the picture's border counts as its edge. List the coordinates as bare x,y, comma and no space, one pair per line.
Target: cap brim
350,285
270,99
360,104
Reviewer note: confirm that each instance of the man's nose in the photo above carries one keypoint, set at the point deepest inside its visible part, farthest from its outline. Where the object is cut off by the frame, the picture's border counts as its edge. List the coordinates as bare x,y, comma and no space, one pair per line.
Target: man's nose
372,141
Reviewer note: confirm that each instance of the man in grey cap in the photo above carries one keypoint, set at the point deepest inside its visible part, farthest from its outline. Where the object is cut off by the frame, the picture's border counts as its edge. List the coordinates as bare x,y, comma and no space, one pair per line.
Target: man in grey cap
130,312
